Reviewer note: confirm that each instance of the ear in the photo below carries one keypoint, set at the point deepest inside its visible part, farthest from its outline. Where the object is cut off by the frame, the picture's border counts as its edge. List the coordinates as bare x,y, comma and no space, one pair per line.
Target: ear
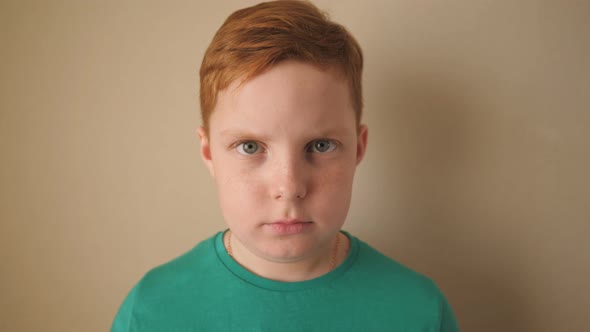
206,149
361,144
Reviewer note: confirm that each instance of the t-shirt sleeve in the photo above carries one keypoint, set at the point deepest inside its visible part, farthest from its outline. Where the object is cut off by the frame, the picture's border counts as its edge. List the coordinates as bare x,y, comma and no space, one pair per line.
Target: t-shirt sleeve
122,321
448,323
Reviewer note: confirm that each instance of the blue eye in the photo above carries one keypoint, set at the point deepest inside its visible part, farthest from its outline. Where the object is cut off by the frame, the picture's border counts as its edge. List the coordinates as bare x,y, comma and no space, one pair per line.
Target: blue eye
322,146
247,148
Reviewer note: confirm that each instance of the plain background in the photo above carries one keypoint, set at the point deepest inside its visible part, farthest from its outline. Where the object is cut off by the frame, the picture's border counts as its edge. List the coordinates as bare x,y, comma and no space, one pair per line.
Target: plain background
476,173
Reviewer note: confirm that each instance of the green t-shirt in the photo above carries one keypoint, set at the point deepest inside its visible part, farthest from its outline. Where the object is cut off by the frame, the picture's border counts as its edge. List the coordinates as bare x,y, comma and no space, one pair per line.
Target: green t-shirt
206,290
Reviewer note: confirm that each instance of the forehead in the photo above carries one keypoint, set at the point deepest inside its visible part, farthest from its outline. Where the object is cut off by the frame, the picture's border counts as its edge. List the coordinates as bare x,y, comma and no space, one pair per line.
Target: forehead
287,95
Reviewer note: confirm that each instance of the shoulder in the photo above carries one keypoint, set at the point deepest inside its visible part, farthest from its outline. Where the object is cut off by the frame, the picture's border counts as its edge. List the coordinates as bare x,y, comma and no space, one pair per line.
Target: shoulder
184,268
389,287
166,286
387,276
171,278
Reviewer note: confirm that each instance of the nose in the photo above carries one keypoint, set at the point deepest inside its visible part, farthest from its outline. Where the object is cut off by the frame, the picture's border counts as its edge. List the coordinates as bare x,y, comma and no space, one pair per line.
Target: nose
289,179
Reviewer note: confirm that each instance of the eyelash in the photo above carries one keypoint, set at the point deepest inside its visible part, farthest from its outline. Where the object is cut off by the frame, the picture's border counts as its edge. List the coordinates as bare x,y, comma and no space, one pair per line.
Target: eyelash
333,145
308,148
241,144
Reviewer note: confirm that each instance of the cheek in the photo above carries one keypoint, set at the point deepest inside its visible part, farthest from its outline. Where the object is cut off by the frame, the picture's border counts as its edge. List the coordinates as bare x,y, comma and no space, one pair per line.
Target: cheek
238,187
335,176
332,191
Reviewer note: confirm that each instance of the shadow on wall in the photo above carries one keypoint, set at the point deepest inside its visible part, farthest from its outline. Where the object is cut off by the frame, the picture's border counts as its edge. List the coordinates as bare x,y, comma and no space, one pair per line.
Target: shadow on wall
443,129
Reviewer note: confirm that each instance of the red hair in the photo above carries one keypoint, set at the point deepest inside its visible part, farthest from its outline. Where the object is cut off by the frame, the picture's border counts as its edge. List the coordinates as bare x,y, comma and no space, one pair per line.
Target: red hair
253,39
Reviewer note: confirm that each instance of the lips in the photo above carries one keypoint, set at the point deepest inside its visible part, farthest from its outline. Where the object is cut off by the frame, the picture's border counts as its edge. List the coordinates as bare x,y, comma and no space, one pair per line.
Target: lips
288,226
289,221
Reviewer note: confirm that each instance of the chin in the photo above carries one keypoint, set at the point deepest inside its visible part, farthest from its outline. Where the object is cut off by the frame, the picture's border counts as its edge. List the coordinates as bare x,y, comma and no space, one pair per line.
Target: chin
289,249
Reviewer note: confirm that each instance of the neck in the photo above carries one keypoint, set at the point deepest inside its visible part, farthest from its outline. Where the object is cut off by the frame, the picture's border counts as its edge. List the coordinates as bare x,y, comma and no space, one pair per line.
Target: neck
324,261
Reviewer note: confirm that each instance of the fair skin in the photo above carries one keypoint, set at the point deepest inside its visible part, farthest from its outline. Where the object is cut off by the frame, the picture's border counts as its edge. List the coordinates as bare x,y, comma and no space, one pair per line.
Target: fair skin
283,149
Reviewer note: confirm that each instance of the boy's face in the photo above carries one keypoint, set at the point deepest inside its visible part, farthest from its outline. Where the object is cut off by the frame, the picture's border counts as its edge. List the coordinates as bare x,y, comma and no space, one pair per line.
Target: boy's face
283,149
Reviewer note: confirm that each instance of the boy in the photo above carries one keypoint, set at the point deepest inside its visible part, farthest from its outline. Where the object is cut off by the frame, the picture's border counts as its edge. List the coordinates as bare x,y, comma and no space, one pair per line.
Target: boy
281,106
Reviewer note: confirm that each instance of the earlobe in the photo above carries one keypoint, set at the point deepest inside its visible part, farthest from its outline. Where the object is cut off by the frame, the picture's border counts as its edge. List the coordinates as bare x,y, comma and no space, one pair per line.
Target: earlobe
206,150
361,145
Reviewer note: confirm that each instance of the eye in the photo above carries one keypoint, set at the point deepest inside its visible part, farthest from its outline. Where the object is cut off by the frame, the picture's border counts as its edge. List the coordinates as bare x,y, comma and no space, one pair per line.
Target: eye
322,146
248,148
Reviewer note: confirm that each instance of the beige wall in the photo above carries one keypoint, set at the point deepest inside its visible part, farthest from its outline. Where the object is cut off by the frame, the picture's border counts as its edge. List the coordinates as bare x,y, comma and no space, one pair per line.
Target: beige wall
476,174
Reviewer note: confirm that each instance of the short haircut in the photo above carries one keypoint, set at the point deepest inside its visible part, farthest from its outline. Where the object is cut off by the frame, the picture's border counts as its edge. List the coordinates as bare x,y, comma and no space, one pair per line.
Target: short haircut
253,39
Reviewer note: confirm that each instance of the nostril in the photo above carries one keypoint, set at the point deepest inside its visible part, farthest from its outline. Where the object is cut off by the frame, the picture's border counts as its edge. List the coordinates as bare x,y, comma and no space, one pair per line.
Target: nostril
292,193
288,181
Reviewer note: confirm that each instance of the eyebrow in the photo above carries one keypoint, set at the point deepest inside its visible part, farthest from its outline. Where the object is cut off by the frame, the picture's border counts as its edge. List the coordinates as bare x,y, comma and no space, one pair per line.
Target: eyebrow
237,133
245,134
